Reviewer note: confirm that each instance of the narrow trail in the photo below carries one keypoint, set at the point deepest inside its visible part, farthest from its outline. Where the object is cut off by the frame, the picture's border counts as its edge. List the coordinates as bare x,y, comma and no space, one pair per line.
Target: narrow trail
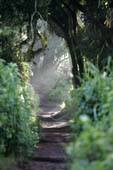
55,134
50,154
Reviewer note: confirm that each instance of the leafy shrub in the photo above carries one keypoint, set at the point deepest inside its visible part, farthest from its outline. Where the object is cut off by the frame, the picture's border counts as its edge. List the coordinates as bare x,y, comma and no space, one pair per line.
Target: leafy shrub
9,50
60,92
11,44
92,148
91,98
18,122
6,163
24,71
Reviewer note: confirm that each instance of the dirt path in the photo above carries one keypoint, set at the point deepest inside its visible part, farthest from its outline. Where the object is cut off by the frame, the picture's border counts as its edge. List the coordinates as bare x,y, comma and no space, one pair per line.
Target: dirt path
50,153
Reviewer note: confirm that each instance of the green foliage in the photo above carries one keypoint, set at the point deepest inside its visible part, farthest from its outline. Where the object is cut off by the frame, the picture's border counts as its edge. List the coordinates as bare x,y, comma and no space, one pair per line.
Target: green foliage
60,92
92,150
92,97
24,71
7,162
6,50
18,21
10,49
93,120
95,44
12,39
18,122
93,41
94,38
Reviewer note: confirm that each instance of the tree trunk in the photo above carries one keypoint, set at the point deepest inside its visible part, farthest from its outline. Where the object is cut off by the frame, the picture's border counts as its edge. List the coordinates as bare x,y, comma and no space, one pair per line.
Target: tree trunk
76,58
75,72
66,19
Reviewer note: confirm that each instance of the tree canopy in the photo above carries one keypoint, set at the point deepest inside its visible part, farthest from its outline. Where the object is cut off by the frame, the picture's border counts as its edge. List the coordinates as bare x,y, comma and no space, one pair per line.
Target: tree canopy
86,26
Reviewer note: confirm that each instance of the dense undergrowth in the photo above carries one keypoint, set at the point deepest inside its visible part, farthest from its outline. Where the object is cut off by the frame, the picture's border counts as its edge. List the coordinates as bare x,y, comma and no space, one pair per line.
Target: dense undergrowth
61,91
18,108
92,109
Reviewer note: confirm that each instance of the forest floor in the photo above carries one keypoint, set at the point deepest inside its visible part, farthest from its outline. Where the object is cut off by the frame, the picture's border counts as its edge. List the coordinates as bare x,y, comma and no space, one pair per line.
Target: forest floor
55,135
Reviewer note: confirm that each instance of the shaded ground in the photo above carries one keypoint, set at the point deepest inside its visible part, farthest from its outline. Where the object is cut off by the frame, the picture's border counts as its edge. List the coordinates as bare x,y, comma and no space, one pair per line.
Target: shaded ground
50,153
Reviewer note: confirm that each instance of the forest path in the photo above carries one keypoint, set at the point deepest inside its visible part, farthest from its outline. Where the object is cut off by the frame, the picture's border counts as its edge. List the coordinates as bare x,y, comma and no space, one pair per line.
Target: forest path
55,134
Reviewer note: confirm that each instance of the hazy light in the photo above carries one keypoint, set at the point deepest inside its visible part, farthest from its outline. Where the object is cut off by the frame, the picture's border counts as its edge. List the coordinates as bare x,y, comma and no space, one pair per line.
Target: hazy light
63,105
